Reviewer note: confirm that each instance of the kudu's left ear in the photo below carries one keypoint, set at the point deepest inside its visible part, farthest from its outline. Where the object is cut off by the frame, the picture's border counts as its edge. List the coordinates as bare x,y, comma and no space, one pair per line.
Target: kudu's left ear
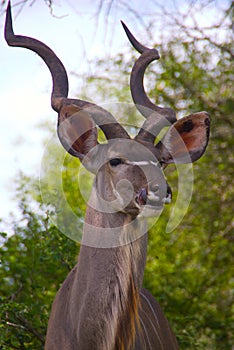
76,130
186,139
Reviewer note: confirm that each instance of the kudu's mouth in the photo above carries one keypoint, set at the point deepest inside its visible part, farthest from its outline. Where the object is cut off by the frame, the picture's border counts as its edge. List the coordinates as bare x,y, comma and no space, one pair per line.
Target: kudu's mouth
151,199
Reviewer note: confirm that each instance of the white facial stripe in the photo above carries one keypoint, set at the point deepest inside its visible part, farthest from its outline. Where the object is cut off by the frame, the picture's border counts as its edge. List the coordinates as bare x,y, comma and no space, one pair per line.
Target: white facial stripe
155,163
143,162
140,163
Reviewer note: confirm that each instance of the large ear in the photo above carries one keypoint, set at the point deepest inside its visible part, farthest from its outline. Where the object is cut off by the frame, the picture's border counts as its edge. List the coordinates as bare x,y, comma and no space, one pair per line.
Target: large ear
76,130
186,140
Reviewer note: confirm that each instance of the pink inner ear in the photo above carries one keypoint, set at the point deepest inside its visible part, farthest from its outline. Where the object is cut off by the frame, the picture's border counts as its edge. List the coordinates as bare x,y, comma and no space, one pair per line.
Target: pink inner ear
84,131
77,131
187,139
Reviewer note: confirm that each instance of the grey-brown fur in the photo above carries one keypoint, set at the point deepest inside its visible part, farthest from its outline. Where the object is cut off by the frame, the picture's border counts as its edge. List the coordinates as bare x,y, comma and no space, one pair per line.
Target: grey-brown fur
101,304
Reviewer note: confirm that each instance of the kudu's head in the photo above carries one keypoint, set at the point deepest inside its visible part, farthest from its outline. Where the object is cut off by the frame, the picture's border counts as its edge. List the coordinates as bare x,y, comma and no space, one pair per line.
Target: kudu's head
129,172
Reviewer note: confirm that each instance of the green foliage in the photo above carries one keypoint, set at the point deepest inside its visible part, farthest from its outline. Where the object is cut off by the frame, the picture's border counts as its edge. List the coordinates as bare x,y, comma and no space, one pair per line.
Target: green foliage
34,261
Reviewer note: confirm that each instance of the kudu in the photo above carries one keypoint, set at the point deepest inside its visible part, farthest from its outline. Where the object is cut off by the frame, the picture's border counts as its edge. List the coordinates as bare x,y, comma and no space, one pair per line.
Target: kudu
101,305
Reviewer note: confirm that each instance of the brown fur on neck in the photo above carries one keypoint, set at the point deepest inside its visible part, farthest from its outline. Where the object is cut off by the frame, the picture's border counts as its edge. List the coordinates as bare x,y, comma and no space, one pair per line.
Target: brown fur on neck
126,331
122,268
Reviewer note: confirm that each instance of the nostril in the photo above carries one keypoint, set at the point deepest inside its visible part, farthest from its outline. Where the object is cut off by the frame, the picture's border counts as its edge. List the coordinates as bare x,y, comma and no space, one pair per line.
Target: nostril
154,187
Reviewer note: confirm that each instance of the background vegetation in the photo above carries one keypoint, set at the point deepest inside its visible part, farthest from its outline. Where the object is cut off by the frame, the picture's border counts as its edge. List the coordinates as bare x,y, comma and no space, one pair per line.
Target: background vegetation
189,270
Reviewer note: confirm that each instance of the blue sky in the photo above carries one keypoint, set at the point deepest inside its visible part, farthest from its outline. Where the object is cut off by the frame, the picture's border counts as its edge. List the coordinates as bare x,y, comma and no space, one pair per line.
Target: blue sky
25,84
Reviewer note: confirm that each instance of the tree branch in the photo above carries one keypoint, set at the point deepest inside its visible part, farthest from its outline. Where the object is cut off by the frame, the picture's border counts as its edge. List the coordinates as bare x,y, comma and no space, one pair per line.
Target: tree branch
27,325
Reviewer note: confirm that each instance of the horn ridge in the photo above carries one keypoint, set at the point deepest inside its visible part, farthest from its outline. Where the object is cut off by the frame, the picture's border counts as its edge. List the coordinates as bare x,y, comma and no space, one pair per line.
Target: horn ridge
139,96
135,43
57,70
104,119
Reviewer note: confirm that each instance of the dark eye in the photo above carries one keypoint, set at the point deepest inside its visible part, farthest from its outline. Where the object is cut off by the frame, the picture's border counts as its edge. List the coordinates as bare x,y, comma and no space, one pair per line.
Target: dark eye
115,161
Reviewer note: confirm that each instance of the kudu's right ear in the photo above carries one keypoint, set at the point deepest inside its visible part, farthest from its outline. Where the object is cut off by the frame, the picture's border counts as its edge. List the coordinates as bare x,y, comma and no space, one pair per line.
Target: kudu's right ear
186,140
76,131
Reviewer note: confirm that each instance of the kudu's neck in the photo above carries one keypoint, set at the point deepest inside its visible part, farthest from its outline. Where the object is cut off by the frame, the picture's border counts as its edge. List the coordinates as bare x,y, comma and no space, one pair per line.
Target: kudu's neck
109,277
